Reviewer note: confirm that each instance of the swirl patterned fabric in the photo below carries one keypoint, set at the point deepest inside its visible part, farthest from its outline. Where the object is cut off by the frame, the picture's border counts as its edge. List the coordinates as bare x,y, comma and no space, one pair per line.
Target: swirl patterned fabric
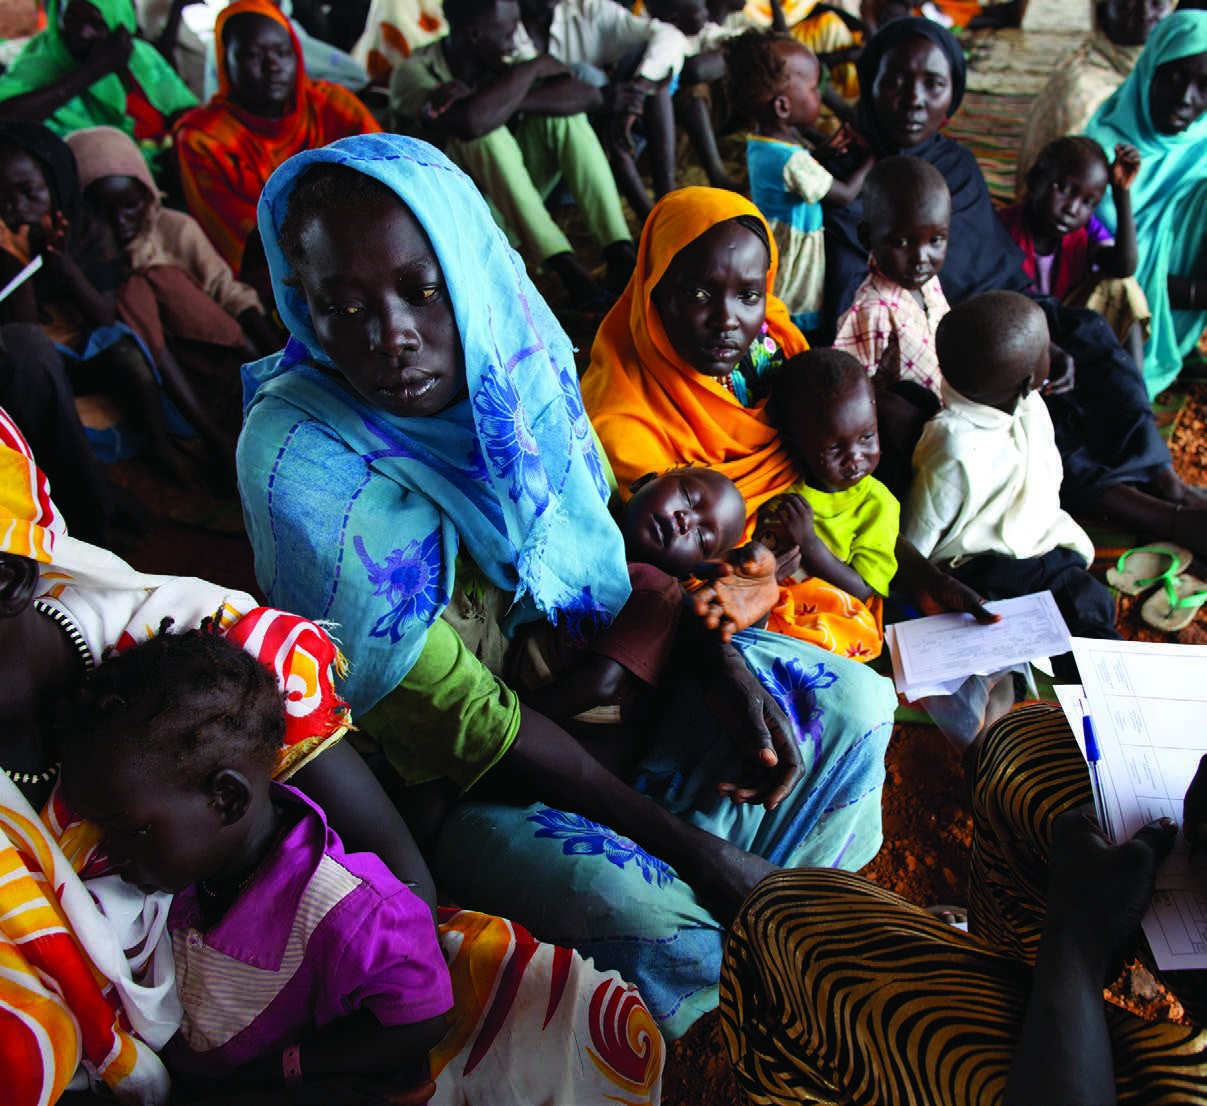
836,991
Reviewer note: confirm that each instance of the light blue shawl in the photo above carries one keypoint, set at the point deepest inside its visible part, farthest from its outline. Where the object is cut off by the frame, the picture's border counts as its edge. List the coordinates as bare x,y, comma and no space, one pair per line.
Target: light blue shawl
357,517
1169,197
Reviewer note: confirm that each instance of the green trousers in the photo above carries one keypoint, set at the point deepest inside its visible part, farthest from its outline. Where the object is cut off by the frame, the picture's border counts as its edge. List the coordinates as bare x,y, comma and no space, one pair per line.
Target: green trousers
516,167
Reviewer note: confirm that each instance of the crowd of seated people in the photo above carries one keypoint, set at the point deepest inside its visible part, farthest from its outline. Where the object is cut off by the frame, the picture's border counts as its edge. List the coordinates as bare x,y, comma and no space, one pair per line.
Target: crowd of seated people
561,703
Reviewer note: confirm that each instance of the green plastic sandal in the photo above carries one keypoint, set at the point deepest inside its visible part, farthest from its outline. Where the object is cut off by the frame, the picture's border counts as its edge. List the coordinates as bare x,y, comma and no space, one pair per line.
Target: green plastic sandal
1173,606
1146,565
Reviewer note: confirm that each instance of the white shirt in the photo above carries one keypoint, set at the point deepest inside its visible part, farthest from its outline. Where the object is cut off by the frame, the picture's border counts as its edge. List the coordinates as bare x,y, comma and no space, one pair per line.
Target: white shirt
988,482
600,32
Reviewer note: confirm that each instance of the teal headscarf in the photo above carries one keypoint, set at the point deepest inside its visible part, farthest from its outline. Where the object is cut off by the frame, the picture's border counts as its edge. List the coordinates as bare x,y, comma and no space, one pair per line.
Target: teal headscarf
45,59
357,516
1169,197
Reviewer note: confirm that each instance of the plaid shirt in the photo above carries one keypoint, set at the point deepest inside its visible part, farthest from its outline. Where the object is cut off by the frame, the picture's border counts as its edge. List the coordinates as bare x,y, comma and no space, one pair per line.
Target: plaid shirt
891,336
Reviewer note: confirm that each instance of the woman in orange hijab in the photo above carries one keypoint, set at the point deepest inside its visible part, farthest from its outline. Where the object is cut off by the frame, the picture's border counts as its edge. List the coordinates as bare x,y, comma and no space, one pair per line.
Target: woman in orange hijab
680,366
265,111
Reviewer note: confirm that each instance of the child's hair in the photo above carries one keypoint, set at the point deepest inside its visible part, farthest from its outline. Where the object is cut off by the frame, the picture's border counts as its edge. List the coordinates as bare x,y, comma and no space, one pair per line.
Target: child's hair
816,377
755,70
325,187
194,699
896,181
986,334
462,13
1058,155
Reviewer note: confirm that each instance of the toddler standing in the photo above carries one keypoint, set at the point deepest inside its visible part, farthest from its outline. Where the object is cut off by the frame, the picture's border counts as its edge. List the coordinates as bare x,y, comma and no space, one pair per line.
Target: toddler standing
1067,252
890,327
775,81
985,499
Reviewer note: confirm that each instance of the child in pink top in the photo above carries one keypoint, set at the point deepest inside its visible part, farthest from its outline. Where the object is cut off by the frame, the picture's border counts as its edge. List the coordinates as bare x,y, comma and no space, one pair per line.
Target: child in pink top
292,956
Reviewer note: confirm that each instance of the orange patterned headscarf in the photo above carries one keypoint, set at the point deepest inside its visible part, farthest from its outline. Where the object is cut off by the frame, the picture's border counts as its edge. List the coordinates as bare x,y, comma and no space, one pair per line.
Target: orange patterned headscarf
651,409
29,520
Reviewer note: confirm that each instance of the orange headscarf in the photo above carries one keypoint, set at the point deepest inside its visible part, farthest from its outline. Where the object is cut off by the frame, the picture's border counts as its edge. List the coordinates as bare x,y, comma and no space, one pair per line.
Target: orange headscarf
227,154
651,409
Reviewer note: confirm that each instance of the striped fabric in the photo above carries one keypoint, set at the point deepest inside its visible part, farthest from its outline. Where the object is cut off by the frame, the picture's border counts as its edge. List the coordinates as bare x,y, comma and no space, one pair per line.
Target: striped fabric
58,955
835,990
223,995
29,521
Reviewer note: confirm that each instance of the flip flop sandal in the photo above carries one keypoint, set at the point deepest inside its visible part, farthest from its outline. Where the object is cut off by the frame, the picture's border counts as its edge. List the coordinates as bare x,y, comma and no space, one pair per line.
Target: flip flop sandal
1173,606
1146,565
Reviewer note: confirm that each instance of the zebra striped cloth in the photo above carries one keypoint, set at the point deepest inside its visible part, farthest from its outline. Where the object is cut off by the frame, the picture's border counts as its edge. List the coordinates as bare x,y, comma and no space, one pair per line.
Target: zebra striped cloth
834,990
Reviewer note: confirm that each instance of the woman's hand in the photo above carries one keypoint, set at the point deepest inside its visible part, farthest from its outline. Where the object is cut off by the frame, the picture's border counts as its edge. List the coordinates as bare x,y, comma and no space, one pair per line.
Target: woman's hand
757,726
742,589
51,242
1125,167
110,54
1061,376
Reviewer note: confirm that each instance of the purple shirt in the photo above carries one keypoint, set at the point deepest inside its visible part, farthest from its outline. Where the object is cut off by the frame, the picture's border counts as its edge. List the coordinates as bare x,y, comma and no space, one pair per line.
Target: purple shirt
317,935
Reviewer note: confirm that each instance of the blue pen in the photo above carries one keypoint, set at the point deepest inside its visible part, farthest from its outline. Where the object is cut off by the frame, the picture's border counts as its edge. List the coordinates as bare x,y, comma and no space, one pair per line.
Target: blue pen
1093,755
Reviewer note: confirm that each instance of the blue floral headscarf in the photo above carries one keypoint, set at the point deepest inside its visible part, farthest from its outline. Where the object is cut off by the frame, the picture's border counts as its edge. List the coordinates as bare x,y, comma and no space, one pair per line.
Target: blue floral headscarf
357,516
1169,196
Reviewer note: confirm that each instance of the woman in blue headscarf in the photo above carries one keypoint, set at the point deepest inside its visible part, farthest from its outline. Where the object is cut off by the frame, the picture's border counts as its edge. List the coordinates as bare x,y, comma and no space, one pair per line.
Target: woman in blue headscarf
1160,110
417,468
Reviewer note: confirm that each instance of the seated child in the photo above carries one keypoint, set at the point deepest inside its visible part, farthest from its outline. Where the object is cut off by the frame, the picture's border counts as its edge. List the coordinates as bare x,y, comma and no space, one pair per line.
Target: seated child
840,517
177,286
774,81
985,499
293,958
73,296
1067,252
890,327
673,522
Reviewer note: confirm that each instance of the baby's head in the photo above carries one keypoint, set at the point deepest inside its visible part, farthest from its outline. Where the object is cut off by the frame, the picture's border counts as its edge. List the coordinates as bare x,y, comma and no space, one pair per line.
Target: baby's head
826,411
169,750
906,219
774,79
1066,184
993,349
685,516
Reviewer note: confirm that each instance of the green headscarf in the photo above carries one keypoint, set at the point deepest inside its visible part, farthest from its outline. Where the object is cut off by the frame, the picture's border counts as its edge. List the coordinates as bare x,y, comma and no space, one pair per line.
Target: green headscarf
45,59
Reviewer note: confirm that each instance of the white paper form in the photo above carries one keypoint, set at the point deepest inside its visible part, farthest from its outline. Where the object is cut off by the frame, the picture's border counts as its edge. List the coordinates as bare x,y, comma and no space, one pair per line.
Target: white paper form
1148,702
933,652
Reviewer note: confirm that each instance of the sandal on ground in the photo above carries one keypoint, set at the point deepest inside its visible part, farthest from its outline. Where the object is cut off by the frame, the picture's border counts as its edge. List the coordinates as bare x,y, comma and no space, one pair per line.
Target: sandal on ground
954,916
1173,606
1146,565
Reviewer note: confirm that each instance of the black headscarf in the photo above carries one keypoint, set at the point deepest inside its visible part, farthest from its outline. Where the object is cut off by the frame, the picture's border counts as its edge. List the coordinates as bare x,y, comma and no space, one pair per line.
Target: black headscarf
89,241
868,66
980,255
55,158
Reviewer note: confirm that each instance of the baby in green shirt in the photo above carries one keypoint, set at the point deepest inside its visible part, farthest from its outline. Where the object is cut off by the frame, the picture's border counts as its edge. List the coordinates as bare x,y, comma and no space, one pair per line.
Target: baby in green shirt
842,519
